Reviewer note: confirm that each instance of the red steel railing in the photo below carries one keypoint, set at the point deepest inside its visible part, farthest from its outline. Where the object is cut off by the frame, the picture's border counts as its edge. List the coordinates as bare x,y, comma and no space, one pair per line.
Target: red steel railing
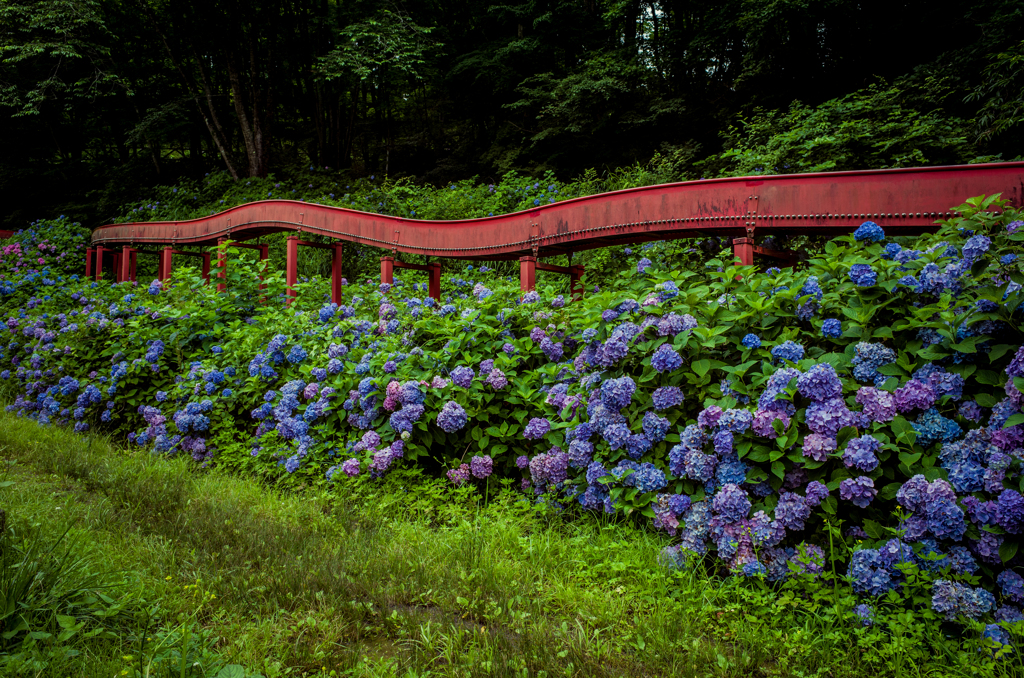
903,201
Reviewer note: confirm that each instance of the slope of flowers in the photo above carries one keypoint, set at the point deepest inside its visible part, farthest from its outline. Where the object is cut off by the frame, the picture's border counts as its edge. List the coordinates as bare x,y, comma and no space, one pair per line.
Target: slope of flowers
859,415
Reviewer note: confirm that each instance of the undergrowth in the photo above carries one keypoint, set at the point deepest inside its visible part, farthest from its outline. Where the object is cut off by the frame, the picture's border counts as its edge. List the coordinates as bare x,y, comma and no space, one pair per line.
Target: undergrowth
408,577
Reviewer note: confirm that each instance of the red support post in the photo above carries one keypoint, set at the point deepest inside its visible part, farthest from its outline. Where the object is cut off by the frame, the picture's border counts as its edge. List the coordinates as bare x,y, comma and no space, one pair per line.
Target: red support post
336,272
292,265
117,266
99,262
222,264
434,289
387,270
743,249
166,257
527,273
132,268
206,266
88,262
124,267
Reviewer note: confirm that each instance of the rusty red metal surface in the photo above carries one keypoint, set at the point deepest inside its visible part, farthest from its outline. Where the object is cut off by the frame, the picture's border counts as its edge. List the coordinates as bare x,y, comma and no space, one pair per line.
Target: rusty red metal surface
903,201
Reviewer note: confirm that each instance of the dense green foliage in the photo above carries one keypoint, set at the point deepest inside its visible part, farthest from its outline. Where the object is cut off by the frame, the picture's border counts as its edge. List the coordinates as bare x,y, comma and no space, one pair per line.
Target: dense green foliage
101,100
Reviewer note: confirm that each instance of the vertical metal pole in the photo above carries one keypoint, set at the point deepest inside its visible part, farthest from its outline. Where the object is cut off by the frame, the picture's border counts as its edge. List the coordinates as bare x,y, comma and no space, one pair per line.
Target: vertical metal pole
124,270
336,273
222,264
527,273
292,265
434,289
99,262
88,262
166,258
743,249
387,270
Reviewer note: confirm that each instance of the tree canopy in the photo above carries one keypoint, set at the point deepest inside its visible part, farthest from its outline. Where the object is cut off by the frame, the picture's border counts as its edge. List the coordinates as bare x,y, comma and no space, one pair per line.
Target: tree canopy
101,98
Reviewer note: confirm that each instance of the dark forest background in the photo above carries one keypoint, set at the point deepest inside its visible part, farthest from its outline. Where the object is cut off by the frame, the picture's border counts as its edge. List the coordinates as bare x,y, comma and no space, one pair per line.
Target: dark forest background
102,99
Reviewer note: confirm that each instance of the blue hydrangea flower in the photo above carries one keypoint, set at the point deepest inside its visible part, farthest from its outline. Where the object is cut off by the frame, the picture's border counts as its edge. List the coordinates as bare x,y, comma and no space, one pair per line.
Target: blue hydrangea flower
648,478
860,453
863,275
732,503
751,341
617,393
788,350
831,328
655,427
666,397
953,599
869,231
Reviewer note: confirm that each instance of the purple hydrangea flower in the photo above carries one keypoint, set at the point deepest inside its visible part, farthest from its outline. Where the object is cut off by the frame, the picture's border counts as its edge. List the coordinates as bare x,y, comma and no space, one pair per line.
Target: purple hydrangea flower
878,405
452,417
791,511
818,447
549,467
1010,512
552,350
914,395
763,422
732,503
816,493
536,428
751,341
481,466
970,410
861,453
581,453
861,490
463,376
667,396
496,379
863,275
828,417
820,383
665,359
617,393
975,247
459,475
1012,586
655,427
350,467
709,416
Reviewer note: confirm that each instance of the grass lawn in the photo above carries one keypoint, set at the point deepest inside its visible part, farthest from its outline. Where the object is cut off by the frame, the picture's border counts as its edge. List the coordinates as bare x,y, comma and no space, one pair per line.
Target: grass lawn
139,558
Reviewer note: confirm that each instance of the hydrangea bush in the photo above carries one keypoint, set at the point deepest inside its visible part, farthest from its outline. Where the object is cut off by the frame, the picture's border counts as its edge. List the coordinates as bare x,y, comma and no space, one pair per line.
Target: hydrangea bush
859,415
